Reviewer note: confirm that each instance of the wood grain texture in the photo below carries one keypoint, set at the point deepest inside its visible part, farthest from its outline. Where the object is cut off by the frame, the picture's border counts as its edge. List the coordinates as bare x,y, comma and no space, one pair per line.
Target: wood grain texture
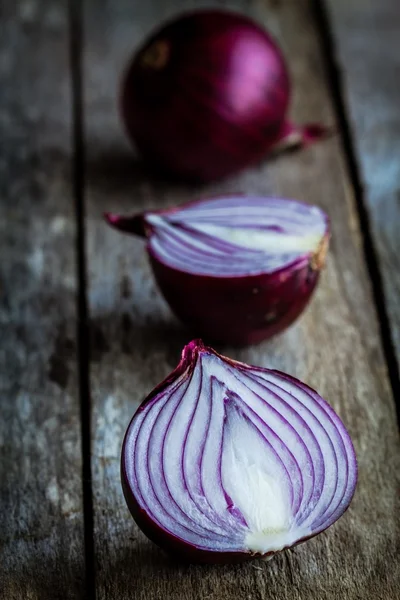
41,521
135,341
367,43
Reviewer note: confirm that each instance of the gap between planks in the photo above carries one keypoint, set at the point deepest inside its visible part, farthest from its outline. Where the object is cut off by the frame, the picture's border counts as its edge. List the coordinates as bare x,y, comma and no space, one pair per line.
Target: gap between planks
370,254
78,169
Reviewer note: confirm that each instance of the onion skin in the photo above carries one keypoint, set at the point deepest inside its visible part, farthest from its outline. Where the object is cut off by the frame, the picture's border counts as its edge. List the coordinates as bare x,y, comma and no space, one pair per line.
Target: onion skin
237,310
240,310
206,96
161,537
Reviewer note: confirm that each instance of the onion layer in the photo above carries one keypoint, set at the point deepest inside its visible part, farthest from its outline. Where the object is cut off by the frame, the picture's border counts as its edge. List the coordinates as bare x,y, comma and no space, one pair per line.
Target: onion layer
207,94
235,269
224,461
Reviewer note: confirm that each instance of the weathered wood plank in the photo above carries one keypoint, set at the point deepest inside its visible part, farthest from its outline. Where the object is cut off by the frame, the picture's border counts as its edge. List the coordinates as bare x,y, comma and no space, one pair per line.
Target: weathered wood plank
367,36
41,520
135,341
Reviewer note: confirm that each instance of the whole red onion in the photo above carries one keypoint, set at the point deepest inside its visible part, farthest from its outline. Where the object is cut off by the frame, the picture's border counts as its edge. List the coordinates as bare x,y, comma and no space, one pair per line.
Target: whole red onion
235,269
207,94
224,461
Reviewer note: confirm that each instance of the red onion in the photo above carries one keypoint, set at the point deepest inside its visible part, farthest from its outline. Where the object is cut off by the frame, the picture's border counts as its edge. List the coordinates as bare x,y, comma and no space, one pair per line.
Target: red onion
224,461
236,269
207,94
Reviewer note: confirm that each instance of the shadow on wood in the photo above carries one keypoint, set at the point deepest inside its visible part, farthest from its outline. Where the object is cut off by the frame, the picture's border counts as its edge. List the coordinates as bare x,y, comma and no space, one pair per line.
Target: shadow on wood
133,336
54,576
116,167
173,577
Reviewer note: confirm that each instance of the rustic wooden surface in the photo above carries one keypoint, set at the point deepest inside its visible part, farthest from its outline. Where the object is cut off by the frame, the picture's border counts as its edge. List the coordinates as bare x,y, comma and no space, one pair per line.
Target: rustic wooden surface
335,346
135,341
41,521
367,36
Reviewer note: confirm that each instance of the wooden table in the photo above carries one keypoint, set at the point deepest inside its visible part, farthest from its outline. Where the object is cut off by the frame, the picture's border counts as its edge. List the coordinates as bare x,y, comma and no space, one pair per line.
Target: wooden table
84,333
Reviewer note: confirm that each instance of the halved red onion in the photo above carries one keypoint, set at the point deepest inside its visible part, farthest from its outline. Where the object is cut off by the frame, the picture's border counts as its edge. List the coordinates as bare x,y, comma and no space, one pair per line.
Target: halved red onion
224,461
207,94
235,269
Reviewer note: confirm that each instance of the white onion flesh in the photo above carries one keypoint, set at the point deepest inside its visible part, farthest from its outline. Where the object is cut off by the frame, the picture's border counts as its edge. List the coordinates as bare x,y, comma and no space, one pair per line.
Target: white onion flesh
236,237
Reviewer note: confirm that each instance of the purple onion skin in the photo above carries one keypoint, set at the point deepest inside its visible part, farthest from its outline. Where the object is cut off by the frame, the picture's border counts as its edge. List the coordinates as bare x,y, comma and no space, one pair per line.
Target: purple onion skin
206,95
237,310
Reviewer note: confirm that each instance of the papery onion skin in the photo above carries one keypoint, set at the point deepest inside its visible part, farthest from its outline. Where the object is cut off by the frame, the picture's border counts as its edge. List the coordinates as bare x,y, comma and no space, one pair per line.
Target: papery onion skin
239,310
173,544
206,95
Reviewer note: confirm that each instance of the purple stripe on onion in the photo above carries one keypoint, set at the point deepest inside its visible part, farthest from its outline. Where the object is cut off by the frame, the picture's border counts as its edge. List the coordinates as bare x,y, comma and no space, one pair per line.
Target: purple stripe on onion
224,461
235,269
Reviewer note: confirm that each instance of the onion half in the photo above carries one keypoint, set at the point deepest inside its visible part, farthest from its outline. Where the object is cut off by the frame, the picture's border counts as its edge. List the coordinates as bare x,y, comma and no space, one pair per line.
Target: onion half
234,269
224,461
207,94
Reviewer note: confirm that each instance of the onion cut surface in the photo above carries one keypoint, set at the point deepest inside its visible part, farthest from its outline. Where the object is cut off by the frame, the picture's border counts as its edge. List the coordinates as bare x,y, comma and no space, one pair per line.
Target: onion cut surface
232,237
224,461
235,269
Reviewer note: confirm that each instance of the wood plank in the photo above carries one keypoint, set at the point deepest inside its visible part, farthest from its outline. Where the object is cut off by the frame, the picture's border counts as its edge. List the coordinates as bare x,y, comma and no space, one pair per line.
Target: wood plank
41,520
335,346
367,36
